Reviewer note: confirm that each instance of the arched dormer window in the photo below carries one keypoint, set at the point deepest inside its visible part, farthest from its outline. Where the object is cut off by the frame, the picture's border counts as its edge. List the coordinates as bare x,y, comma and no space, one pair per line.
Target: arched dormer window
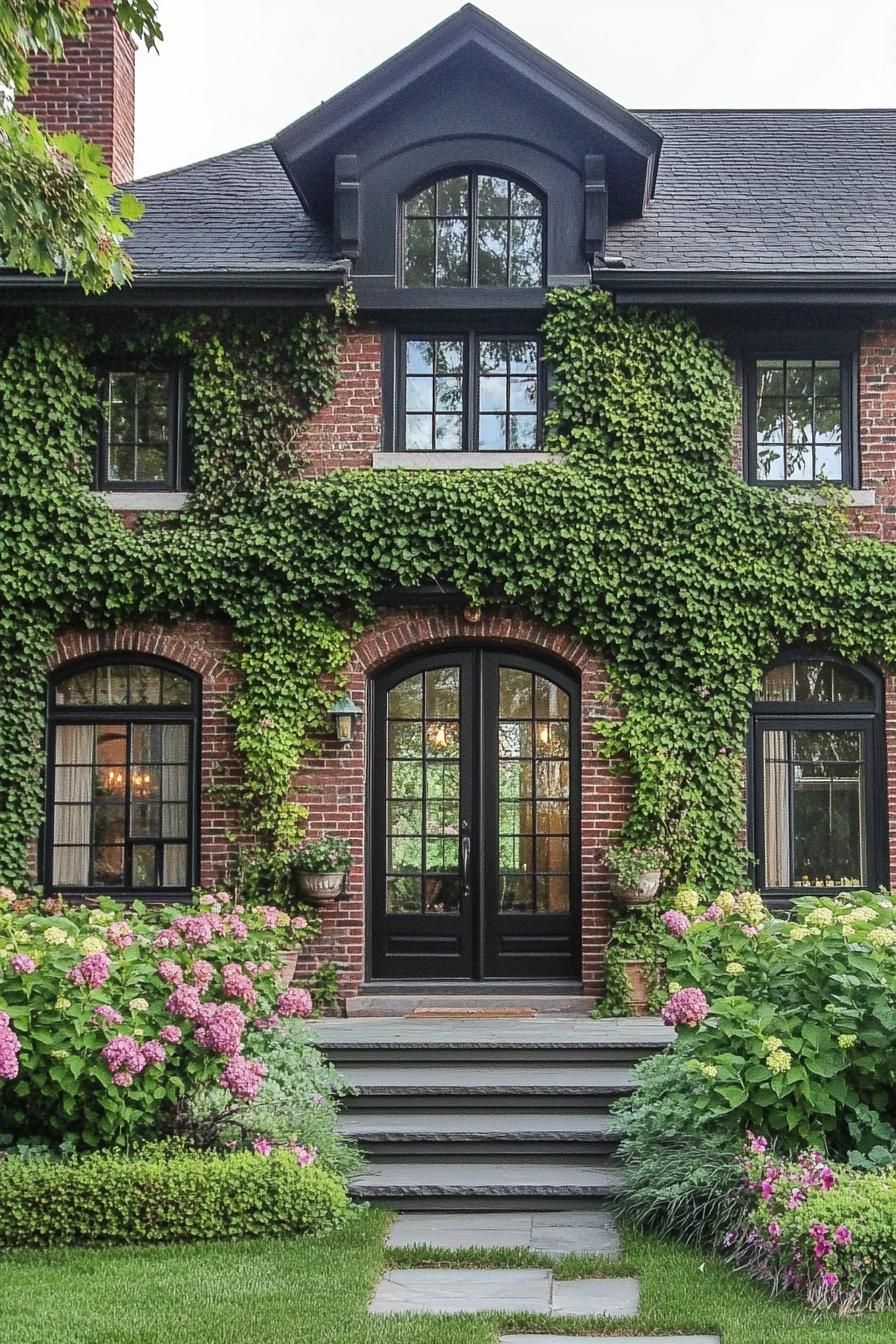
121,780
818,779
473,229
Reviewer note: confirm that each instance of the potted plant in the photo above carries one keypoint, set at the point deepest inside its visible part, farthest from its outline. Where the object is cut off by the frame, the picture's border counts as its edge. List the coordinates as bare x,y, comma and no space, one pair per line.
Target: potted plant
635,873
320,866
634,965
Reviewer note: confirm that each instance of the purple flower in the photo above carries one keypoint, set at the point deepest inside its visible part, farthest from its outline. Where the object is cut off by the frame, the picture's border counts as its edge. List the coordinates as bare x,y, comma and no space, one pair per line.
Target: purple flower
713,913
10,1045
184,1002
122,1078
774,1231
685,1008
170,972
757,1143
222,1029
92,972
243,1077
22,964
842,1235
153,1052
751,930
828,1179
106,1013
122,1054
676,923
263,1146
830,1280
171,1035
294,1003
119,934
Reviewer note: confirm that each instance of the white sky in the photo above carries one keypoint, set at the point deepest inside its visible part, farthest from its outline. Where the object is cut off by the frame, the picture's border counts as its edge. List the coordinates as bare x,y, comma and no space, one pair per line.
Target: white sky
230,73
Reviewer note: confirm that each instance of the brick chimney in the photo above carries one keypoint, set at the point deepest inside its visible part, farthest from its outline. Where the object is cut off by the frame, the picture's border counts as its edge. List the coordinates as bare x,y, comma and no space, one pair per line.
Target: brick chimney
91,90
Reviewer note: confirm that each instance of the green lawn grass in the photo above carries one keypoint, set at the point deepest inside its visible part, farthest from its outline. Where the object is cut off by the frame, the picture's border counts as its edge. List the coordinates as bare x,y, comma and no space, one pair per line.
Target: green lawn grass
315,1290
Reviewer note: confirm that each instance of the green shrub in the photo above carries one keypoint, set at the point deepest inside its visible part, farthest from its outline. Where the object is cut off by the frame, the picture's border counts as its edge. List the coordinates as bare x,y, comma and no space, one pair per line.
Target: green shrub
297,1102
108,1198
825,1232
680,1174
790,1021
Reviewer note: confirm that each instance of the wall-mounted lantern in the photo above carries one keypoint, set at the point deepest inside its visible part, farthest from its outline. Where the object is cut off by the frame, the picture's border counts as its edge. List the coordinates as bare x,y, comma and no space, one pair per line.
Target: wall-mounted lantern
344,713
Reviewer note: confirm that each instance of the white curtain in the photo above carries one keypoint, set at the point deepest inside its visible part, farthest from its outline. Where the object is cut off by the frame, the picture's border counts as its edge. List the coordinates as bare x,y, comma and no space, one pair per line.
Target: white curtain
73,793
174,797
776,782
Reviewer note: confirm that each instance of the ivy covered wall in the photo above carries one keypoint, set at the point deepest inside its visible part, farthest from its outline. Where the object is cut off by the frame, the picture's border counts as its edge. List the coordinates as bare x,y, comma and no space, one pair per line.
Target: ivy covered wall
643,541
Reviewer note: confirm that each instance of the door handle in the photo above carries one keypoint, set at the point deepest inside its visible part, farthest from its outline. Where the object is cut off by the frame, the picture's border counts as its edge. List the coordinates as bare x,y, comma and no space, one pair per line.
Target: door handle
465,856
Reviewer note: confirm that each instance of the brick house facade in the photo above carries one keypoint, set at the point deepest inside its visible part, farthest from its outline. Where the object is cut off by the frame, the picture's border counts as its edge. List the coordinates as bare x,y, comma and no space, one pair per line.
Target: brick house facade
619,243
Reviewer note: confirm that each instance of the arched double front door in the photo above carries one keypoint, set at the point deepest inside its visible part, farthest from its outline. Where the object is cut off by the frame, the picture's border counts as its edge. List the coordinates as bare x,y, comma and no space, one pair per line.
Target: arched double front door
475,819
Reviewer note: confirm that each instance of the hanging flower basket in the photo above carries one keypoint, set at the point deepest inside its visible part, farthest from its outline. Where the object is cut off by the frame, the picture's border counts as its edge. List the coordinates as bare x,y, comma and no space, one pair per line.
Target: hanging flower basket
319,888
320,866
635,873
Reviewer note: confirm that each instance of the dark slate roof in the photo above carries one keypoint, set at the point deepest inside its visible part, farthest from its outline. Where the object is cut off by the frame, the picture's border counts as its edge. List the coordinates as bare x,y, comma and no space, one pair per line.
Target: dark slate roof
768,191
775,192
234,213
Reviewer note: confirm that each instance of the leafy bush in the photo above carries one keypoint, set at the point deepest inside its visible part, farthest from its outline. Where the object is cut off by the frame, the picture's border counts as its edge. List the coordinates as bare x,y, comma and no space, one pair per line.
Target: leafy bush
790,1022
296,1103
680,1175
827,1233
107,1198
108,1023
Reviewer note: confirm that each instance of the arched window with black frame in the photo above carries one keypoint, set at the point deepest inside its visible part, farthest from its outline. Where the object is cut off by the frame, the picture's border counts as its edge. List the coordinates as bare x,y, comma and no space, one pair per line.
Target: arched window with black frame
123,741
818,805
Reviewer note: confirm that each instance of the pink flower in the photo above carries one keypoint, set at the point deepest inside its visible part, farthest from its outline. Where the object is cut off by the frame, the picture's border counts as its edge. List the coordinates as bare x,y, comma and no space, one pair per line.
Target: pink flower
751,930
22,964
106,1013
830,1280
774,1231
757,1143
294,1003
236,928
299,922
239,986
122,1053
243,1077
170,972
267,1023
167,938
676,923
828,1179
797,1197
223,1032
92,972
685,1008
304,1156
208,899
713,913
184,1002
153,1052
767,1189
263,1146
10,1045
271,916
120,935
122,1078
196,930
203,973
266,966
842,1235
171,1035
318,1099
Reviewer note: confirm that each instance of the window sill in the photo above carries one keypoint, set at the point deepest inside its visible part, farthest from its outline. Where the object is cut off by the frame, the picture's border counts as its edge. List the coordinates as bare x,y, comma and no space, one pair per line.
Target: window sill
455,461
854,499
145,501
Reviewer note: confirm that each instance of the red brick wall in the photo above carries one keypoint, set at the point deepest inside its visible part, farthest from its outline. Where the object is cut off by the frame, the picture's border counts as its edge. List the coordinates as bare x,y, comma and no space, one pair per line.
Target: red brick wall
91,91
332,785
347,432
202,646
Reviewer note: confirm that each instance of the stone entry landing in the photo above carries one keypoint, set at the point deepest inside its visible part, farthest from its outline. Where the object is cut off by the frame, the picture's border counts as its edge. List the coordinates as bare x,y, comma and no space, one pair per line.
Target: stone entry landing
562,1232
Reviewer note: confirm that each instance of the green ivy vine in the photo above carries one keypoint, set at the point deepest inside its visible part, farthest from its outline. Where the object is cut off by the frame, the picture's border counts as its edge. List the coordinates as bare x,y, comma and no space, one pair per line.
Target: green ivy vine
643,540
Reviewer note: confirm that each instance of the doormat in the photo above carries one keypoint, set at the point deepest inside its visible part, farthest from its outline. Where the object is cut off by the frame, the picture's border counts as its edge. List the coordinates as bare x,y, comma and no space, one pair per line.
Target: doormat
472,1012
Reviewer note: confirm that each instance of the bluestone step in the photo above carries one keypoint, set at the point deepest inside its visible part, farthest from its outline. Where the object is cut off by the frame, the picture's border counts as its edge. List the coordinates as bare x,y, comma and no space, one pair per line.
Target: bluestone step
488,1183
397,1078
423,1131
456,1292
556,1232
610,1339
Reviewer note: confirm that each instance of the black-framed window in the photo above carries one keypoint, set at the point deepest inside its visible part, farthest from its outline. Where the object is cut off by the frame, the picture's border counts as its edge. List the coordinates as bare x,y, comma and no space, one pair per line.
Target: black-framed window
122,778
469,392
817,797
473,229
141,431
800,415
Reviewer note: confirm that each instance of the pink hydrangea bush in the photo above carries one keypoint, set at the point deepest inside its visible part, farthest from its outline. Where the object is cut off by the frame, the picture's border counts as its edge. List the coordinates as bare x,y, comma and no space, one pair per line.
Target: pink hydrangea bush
824,1232
109,1022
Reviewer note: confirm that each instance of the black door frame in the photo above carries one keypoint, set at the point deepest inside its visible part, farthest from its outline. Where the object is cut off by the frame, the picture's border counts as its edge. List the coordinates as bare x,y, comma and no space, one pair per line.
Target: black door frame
479,926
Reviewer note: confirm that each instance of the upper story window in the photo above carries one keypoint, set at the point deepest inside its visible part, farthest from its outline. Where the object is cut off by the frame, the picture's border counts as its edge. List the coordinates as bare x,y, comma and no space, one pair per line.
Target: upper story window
817,788
475,229
800,421
140,447
122,740
470,392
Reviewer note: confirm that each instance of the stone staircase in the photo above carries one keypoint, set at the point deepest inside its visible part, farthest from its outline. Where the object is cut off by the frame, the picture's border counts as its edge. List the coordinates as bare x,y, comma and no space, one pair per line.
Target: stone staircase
486,1113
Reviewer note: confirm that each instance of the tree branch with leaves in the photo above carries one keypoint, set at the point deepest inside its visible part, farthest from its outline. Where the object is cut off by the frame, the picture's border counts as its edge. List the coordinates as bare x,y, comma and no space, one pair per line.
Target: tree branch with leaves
60,213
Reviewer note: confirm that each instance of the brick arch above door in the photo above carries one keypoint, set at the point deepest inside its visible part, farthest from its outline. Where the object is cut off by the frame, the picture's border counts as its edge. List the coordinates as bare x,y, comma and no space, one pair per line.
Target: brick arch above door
333,786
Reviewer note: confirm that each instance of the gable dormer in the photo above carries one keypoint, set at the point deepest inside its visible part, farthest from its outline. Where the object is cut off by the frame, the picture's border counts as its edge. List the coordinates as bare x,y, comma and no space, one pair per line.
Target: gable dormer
475,150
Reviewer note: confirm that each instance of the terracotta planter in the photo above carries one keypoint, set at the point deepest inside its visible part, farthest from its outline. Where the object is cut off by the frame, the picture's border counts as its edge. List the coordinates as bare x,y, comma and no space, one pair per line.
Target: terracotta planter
288,962
638,977
644,892
318,888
